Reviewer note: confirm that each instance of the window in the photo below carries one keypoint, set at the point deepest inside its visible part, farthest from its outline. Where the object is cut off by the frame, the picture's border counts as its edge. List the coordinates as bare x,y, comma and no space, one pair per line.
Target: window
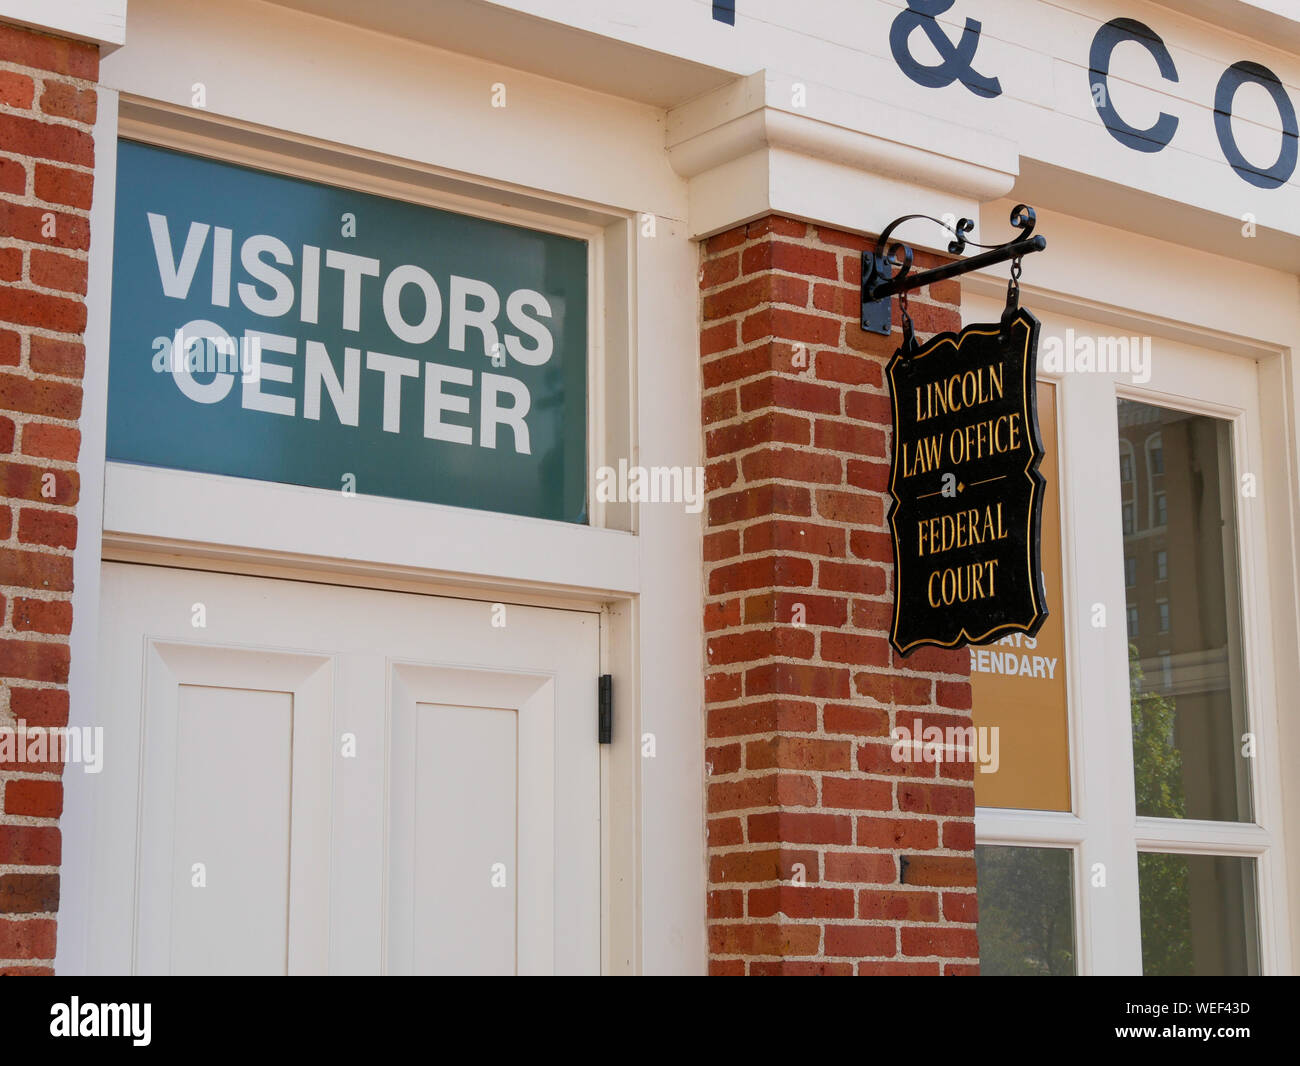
1128,518
1026,911
1156,456
1126,468
1130,571
1162,612
1132,623
1162,510
1162,565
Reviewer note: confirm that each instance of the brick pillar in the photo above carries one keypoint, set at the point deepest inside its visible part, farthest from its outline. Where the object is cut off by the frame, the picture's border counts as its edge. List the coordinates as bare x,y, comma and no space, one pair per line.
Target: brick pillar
802,688
47,107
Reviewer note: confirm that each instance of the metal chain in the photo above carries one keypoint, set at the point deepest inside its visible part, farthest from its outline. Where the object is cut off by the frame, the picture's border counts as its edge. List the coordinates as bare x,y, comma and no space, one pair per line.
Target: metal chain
1013,286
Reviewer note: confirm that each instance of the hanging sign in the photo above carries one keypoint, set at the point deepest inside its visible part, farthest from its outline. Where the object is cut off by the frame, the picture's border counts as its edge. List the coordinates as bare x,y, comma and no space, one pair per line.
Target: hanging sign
268,327
967,492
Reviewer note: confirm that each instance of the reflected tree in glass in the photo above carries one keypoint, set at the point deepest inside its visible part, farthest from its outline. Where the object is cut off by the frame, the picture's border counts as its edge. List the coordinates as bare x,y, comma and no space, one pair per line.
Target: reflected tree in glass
1026,916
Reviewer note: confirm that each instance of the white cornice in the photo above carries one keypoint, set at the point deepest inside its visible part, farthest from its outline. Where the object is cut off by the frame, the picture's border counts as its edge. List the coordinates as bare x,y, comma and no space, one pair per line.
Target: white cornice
100,21
755,127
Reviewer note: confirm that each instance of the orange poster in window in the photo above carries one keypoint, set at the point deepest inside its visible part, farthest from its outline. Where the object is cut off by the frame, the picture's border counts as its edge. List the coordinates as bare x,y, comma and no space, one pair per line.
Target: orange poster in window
1018,684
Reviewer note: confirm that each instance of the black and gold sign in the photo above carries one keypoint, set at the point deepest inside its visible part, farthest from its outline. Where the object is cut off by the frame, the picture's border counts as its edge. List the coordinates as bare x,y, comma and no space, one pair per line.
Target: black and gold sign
967,492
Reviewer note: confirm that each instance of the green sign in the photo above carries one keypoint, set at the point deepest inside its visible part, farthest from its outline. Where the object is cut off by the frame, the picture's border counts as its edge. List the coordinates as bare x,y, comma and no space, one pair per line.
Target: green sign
272,328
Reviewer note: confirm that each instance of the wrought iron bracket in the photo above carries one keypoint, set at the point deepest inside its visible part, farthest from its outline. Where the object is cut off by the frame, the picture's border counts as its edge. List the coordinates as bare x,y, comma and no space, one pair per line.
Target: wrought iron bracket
880,283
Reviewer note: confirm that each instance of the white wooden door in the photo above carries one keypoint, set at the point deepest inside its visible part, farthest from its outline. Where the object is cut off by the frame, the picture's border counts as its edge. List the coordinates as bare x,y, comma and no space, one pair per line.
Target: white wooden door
302,778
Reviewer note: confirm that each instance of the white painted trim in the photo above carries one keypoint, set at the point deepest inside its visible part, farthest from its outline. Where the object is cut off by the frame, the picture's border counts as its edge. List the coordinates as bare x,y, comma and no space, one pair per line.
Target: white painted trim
289,521
100,21
79,797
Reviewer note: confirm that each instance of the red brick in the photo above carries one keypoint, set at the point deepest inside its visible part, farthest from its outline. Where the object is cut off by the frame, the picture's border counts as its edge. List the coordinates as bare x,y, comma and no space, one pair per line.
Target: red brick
878,547
935,799
58,185
783,607
752,503
791,258
26,481
960,969
67,101
936,660
63,144
721,242
897,834
28,845
955,695
11,264
6,528
795,680
719,271
948,943
875,968
857,794
734,299
891,689
50,270
851,577
10,348
726,967
13,177
37,799
762,791
860,867
843,240
863,474
860,941
849,369
850,437
879,759
26,223
16,90
751,939
869,407
800,901
43,616
800,968
35,570
857,648
798,753
57,313
767,717
35,660
29,893
884,905
766,428
57,54
722,615
792,464
730,904
786,827
789,325
961,907
855,508
779,535
789,393
43,707
941,871
51,442
55,399
720,687
767,571
959,836
61,358
724,832
756,867
31,939
863,721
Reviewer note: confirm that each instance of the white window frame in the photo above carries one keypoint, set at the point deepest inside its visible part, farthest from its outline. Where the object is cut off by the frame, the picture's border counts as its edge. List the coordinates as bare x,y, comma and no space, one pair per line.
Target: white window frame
1102,825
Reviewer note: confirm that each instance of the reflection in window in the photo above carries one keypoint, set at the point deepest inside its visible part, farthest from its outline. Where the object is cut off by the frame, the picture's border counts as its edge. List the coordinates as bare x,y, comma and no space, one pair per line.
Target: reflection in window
1128,518
1130,572
1198,915
1187,691
1026,911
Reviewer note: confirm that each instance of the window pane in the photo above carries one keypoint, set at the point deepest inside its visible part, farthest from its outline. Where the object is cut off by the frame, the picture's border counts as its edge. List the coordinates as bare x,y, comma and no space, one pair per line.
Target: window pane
1026,911
1187,693
1198,915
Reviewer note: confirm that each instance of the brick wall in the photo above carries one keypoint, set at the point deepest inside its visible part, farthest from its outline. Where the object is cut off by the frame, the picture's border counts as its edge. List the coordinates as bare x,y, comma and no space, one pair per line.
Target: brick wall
47,106
826,856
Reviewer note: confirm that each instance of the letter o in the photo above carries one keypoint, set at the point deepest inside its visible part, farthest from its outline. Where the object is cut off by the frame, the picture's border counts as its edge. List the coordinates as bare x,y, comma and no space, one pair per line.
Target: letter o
402,276
1283,167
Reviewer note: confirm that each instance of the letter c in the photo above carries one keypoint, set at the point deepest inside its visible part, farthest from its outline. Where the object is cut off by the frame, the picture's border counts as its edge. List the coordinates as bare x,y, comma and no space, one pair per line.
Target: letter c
1108,36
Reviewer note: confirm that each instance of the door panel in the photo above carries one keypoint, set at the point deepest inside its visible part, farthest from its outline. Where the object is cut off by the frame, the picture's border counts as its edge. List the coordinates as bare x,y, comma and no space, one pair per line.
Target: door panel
368,780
